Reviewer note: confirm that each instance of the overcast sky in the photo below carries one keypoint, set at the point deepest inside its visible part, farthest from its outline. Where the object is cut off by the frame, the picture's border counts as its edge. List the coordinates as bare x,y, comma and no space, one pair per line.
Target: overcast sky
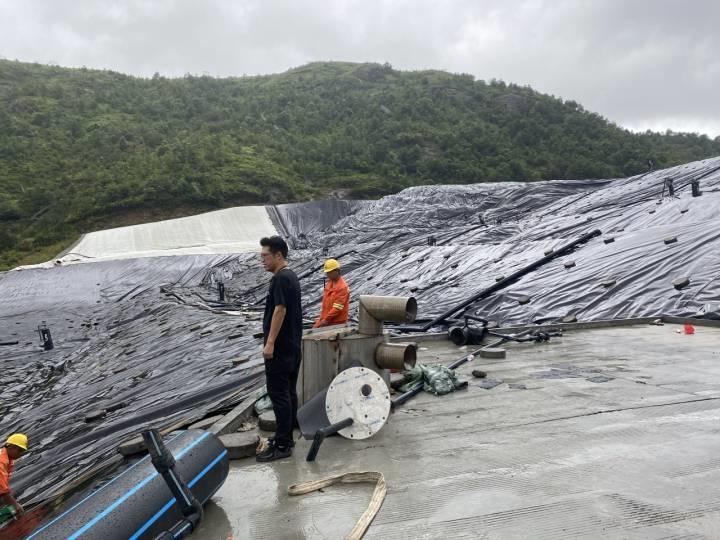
641,63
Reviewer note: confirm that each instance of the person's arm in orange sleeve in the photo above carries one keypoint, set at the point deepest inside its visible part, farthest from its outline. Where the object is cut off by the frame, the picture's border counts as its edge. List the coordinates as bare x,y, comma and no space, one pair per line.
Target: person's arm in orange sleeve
340,298
319,320
6,496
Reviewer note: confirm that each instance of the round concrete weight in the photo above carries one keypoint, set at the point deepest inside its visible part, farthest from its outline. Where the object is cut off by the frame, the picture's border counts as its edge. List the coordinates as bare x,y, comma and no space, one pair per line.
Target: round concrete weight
492,352
522,300
93,416
266,421
681,282
134,446
116,406
569,264
569,318
361,394
240,445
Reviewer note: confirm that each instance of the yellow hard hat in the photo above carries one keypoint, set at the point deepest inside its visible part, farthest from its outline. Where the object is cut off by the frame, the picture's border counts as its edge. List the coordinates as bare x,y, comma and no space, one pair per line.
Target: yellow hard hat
18,439
330,265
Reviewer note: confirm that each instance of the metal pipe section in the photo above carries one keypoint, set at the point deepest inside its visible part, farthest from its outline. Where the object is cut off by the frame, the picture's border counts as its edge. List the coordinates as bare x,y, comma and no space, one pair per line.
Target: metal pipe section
400,356
376,309
321,433
511,278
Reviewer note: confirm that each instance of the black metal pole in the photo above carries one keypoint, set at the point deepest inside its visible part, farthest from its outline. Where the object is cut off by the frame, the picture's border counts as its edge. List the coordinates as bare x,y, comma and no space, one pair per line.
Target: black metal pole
511,278
164,463
321,433
46,340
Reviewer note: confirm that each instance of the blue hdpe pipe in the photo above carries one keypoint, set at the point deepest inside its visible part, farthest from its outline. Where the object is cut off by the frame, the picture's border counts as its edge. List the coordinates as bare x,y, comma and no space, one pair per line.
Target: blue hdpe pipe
137,504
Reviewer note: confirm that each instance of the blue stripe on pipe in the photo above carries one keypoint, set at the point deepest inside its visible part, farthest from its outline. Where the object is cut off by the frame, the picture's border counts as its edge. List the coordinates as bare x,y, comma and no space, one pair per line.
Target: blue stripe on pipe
172,501
94,493
185,450
153,519
112,507
129,493
206,469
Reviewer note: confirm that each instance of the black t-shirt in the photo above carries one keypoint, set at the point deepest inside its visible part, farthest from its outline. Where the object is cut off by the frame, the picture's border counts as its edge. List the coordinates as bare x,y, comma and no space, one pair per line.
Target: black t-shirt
285,291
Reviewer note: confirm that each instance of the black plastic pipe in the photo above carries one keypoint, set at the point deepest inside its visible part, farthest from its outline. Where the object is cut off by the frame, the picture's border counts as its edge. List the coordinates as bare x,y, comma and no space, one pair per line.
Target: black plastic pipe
136,502
321,433
164,464
511,278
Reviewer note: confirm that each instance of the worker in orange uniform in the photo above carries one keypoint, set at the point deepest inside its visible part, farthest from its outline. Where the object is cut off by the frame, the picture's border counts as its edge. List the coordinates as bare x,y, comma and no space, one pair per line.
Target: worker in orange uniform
15,446
336,298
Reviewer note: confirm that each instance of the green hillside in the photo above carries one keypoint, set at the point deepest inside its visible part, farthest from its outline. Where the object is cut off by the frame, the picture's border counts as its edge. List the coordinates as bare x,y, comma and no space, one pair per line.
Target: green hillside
82,149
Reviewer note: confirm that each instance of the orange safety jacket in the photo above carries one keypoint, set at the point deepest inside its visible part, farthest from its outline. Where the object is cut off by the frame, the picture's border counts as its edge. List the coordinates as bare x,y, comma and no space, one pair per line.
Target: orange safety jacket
6,468
335,304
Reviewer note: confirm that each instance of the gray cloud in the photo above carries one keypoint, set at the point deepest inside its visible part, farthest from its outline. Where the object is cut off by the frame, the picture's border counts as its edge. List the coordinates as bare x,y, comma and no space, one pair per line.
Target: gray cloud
641,63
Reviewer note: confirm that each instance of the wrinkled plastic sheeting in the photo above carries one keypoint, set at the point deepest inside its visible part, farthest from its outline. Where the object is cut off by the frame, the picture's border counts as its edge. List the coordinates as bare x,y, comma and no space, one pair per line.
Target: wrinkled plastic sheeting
148,337
487,231
119,340
168,352
298,220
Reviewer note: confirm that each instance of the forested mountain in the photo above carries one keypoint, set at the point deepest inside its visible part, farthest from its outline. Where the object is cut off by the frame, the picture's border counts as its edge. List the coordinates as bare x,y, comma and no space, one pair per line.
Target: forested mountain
82,149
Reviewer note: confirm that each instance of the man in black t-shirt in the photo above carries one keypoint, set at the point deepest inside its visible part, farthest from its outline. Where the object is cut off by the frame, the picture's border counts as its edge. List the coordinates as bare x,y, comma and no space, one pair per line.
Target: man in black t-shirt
282,329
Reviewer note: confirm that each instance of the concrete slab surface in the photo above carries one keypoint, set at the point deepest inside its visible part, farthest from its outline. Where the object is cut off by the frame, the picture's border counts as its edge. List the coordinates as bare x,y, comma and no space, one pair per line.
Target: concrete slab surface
605,433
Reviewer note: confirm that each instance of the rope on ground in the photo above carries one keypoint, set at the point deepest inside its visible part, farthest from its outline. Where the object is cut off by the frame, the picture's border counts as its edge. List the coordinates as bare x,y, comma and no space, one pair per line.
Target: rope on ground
376,501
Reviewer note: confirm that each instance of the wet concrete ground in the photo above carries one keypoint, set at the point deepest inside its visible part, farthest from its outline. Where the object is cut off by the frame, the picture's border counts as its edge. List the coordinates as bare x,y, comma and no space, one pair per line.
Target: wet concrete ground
616,435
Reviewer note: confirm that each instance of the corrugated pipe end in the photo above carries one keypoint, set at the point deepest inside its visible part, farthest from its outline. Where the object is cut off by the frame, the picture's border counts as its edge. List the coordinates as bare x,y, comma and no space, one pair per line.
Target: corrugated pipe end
400,356
376,309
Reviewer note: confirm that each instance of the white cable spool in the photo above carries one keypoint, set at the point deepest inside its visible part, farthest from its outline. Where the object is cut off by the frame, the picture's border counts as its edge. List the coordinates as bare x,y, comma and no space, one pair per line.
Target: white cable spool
361,394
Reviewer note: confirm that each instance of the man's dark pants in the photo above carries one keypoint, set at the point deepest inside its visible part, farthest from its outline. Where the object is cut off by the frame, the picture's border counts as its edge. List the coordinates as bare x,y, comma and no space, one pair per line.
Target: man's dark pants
281,375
